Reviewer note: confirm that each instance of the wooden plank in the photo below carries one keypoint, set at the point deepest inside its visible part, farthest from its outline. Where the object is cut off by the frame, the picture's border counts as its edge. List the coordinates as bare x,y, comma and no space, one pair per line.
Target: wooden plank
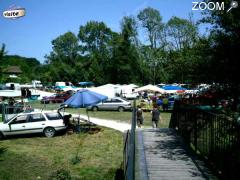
166,157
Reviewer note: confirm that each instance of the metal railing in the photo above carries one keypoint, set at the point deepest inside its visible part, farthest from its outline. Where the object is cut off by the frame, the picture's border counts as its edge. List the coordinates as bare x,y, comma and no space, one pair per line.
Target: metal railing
129,149
214,137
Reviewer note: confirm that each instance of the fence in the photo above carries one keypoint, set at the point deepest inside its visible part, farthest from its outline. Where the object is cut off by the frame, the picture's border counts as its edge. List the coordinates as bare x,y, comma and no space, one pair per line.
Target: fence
129,149
215,137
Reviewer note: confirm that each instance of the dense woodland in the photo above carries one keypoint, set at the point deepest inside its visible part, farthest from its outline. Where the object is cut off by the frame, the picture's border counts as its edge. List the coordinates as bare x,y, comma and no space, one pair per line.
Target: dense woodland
172,51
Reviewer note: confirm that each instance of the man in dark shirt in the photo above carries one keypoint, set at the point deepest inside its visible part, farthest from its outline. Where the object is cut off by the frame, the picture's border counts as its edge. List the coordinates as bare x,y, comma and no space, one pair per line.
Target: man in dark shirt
155,116
139,116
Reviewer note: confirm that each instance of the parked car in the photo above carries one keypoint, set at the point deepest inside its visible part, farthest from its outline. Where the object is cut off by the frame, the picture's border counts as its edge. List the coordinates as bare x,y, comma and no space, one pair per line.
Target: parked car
56,98
118,104
46,122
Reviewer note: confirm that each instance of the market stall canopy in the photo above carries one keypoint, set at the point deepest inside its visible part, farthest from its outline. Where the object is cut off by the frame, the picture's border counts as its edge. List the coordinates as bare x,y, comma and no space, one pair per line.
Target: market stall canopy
150,88
174,89
84,98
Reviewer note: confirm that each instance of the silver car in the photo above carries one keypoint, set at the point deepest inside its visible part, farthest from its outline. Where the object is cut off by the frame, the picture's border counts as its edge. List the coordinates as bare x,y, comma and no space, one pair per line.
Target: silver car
118,104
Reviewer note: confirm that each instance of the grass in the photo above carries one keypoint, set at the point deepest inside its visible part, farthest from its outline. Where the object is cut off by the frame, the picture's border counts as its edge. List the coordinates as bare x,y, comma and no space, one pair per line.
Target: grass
124,116
82,156
111,115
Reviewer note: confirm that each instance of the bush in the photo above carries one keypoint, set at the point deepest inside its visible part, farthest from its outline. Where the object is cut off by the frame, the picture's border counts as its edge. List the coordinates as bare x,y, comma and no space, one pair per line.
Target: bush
61,174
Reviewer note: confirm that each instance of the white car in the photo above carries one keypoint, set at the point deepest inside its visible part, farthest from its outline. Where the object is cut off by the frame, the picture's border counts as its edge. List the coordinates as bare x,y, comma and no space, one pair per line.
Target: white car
46,122
118,104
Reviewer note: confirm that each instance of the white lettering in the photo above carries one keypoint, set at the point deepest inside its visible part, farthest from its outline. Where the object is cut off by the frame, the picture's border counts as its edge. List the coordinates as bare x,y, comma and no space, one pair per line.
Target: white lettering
195,6
211,6
202,6
220,7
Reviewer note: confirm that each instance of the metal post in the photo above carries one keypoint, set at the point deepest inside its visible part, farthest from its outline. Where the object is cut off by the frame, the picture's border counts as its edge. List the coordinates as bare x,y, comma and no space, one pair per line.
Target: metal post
3,112
195,132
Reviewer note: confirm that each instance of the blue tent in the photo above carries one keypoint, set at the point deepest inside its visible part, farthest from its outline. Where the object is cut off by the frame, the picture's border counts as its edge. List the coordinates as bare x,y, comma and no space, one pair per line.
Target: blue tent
84,98
86,83
170,87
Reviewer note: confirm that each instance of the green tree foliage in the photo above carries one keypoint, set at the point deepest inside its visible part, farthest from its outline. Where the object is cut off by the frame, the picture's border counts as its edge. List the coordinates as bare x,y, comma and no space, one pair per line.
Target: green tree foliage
2,54
94,36
151,20
223,65
29,67
95,42
182,33
63,58
65,49
125,60
225,36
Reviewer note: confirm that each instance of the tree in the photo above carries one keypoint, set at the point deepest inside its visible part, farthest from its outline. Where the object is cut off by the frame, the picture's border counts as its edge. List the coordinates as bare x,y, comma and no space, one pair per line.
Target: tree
151,20
65,48
182,33
2,54
125,60
94,36
225,48
63,58
95,39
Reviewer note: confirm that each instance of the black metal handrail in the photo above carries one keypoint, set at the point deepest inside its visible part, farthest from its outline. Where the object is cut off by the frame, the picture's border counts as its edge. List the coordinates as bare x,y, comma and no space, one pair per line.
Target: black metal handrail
129,149
215,137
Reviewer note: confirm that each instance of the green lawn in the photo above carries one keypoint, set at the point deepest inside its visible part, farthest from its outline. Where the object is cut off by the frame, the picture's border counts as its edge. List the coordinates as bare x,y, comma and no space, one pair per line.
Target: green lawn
111,115
83,156
123,116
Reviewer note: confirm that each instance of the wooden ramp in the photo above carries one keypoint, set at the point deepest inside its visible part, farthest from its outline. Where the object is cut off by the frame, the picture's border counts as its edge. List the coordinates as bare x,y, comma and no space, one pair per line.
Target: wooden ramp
162,155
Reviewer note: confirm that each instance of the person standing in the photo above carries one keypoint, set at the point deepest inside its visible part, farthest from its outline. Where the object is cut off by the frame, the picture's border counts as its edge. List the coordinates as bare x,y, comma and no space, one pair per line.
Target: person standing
165,103
139,116
155,116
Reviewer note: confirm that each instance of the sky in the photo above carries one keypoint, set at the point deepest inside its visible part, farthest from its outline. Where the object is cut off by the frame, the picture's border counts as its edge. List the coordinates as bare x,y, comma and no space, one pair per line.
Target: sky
45,20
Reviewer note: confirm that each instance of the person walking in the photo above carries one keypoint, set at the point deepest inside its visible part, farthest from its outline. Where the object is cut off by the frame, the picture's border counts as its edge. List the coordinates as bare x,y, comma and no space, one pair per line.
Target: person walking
139,116
155,116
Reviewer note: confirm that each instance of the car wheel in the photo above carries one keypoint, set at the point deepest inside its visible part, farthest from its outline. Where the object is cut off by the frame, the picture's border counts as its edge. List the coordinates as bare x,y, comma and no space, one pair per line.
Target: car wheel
1,135
49,132
121,109
95,108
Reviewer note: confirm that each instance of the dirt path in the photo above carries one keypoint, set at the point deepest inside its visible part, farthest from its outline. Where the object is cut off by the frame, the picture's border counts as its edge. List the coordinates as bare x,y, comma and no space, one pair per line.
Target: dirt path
120,126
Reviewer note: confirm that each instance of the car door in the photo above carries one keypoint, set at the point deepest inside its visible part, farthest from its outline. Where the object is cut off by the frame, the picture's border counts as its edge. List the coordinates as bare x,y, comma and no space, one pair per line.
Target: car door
18,125
116,103
36,123
55,120
105,105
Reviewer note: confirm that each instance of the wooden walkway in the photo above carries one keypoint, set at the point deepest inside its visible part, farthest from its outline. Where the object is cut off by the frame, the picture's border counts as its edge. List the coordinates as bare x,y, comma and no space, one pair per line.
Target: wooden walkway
162,155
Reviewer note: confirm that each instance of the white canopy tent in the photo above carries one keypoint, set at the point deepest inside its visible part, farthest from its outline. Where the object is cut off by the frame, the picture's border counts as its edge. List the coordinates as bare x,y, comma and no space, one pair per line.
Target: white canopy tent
109,90
150,88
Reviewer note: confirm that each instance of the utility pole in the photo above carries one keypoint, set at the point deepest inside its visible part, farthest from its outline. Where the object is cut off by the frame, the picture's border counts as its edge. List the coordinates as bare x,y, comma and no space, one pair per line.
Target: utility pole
154,71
